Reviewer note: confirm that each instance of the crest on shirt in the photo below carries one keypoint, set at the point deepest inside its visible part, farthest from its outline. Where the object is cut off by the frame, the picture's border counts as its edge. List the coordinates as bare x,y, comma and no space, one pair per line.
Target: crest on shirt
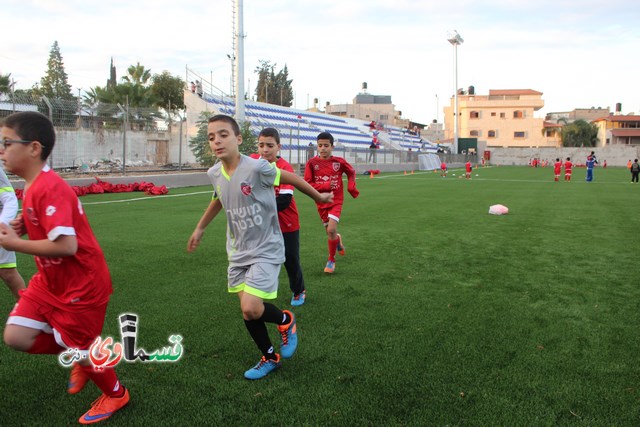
336,166
50,210
245,187
31,216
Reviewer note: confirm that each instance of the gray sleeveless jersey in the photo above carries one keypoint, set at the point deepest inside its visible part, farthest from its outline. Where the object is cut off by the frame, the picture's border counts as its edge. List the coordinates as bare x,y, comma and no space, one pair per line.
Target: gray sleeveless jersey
248,199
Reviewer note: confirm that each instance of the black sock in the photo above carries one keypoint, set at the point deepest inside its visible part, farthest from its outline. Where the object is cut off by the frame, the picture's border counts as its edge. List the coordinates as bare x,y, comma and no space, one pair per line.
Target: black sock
258,331
273,314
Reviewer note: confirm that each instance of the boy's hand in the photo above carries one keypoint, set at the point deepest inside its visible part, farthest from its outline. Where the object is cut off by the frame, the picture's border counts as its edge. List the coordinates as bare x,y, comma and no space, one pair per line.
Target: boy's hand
194,240
325,198
18,225
351,188
7,237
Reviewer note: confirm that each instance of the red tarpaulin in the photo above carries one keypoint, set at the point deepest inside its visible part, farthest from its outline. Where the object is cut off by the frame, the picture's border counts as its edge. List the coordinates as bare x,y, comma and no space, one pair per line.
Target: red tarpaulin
101,186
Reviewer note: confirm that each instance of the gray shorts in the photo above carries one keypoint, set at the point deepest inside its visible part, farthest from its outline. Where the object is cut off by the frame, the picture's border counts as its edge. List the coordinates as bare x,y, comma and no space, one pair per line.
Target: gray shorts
7,258
259,279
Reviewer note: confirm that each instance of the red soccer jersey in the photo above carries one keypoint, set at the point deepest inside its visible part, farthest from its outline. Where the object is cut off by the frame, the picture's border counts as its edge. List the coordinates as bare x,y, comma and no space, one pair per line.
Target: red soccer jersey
443,166
288,218
556,167
567,166
468,166
326,175
78,282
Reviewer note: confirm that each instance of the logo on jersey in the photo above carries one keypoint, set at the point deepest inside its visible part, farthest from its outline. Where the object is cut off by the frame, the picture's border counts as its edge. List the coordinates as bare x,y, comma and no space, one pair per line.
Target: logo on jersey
31,216
50,210
245,188
336,166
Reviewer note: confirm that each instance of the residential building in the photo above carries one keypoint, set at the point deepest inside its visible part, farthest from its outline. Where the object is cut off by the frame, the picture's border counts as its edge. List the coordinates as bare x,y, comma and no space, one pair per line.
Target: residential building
618,130
586,114
503,118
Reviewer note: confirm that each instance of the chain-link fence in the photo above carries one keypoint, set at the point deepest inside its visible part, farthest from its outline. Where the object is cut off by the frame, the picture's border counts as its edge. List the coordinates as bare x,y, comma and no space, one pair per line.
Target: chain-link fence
96,137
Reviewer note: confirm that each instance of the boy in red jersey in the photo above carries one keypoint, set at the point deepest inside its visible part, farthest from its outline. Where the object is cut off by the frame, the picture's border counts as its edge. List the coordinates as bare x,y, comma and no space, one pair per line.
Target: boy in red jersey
66,300
324,173
268,148
467,170
567,169
443,169
557,168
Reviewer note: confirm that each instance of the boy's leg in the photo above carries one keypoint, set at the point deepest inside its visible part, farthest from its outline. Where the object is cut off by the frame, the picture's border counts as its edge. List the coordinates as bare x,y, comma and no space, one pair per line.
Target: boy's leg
12,278
292,261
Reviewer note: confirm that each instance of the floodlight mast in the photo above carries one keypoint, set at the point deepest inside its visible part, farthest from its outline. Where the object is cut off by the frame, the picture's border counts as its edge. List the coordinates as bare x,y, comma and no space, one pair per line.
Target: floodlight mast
239,62
455,39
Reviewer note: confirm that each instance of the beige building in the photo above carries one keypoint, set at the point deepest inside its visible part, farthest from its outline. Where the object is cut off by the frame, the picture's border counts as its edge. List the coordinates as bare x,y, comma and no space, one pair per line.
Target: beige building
504,118
618,130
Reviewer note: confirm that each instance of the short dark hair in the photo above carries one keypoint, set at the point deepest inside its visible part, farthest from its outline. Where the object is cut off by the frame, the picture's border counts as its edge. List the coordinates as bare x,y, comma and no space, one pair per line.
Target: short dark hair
33,126
325,135
270,132
227,119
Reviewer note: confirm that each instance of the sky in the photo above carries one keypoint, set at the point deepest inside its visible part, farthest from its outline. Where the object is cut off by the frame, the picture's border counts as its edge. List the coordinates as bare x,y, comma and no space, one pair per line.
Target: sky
578,54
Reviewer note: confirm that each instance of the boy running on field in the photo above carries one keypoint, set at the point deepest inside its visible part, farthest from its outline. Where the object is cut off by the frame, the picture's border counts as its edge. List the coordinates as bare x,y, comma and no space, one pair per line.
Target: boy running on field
324,173
66,300
268,148
243,187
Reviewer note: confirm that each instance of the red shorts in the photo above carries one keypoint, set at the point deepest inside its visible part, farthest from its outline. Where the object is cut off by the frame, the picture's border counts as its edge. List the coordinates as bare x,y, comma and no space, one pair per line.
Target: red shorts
71,329
330,212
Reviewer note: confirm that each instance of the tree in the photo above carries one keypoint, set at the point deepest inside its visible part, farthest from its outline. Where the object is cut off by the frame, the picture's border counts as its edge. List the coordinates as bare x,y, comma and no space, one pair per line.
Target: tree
137,75
5,83
273,88
579,134
54,84
168,92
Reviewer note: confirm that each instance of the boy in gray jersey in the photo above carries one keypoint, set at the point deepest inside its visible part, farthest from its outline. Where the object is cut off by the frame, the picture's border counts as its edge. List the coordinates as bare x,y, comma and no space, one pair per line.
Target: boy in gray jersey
8,210
243,187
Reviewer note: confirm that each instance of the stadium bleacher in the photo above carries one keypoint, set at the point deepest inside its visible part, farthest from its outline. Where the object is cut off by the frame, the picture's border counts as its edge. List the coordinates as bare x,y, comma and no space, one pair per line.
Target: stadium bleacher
300,127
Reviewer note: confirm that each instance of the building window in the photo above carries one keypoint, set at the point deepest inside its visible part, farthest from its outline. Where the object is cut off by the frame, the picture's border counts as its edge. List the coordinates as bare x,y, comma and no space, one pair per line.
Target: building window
384,117
493,114
474,133
491,134
517,114
474,115
518,134
502,115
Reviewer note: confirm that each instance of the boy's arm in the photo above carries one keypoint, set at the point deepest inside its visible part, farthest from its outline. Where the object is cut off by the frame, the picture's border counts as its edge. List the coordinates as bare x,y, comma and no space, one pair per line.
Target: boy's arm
351,180
212,210
305,187
64,245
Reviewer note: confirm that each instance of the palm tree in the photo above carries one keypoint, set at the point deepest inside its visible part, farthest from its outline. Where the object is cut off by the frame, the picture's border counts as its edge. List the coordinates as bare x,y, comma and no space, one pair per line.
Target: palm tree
138,75
5,83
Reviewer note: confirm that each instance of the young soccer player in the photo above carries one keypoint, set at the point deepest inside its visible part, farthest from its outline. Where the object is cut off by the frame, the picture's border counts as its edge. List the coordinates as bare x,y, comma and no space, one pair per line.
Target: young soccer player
8,267
66,300
591,161
467,170
324,173
268,148
443,169
567,169
557,168
243,187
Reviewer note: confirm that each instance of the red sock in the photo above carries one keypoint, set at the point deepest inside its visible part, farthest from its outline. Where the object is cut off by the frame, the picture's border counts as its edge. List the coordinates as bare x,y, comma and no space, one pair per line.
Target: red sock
106,380
333,246
45,344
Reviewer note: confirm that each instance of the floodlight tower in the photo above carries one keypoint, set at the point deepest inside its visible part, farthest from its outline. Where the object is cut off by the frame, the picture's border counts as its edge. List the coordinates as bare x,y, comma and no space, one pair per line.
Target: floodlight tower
239,37
455,39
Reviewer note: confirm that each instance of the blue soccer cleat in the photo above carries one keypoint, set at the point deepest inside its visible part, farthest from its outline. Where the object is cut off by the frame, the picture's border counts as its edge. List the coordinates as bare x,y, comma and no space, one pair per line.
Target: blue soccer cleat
263,368
289,334
331,266
298,300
